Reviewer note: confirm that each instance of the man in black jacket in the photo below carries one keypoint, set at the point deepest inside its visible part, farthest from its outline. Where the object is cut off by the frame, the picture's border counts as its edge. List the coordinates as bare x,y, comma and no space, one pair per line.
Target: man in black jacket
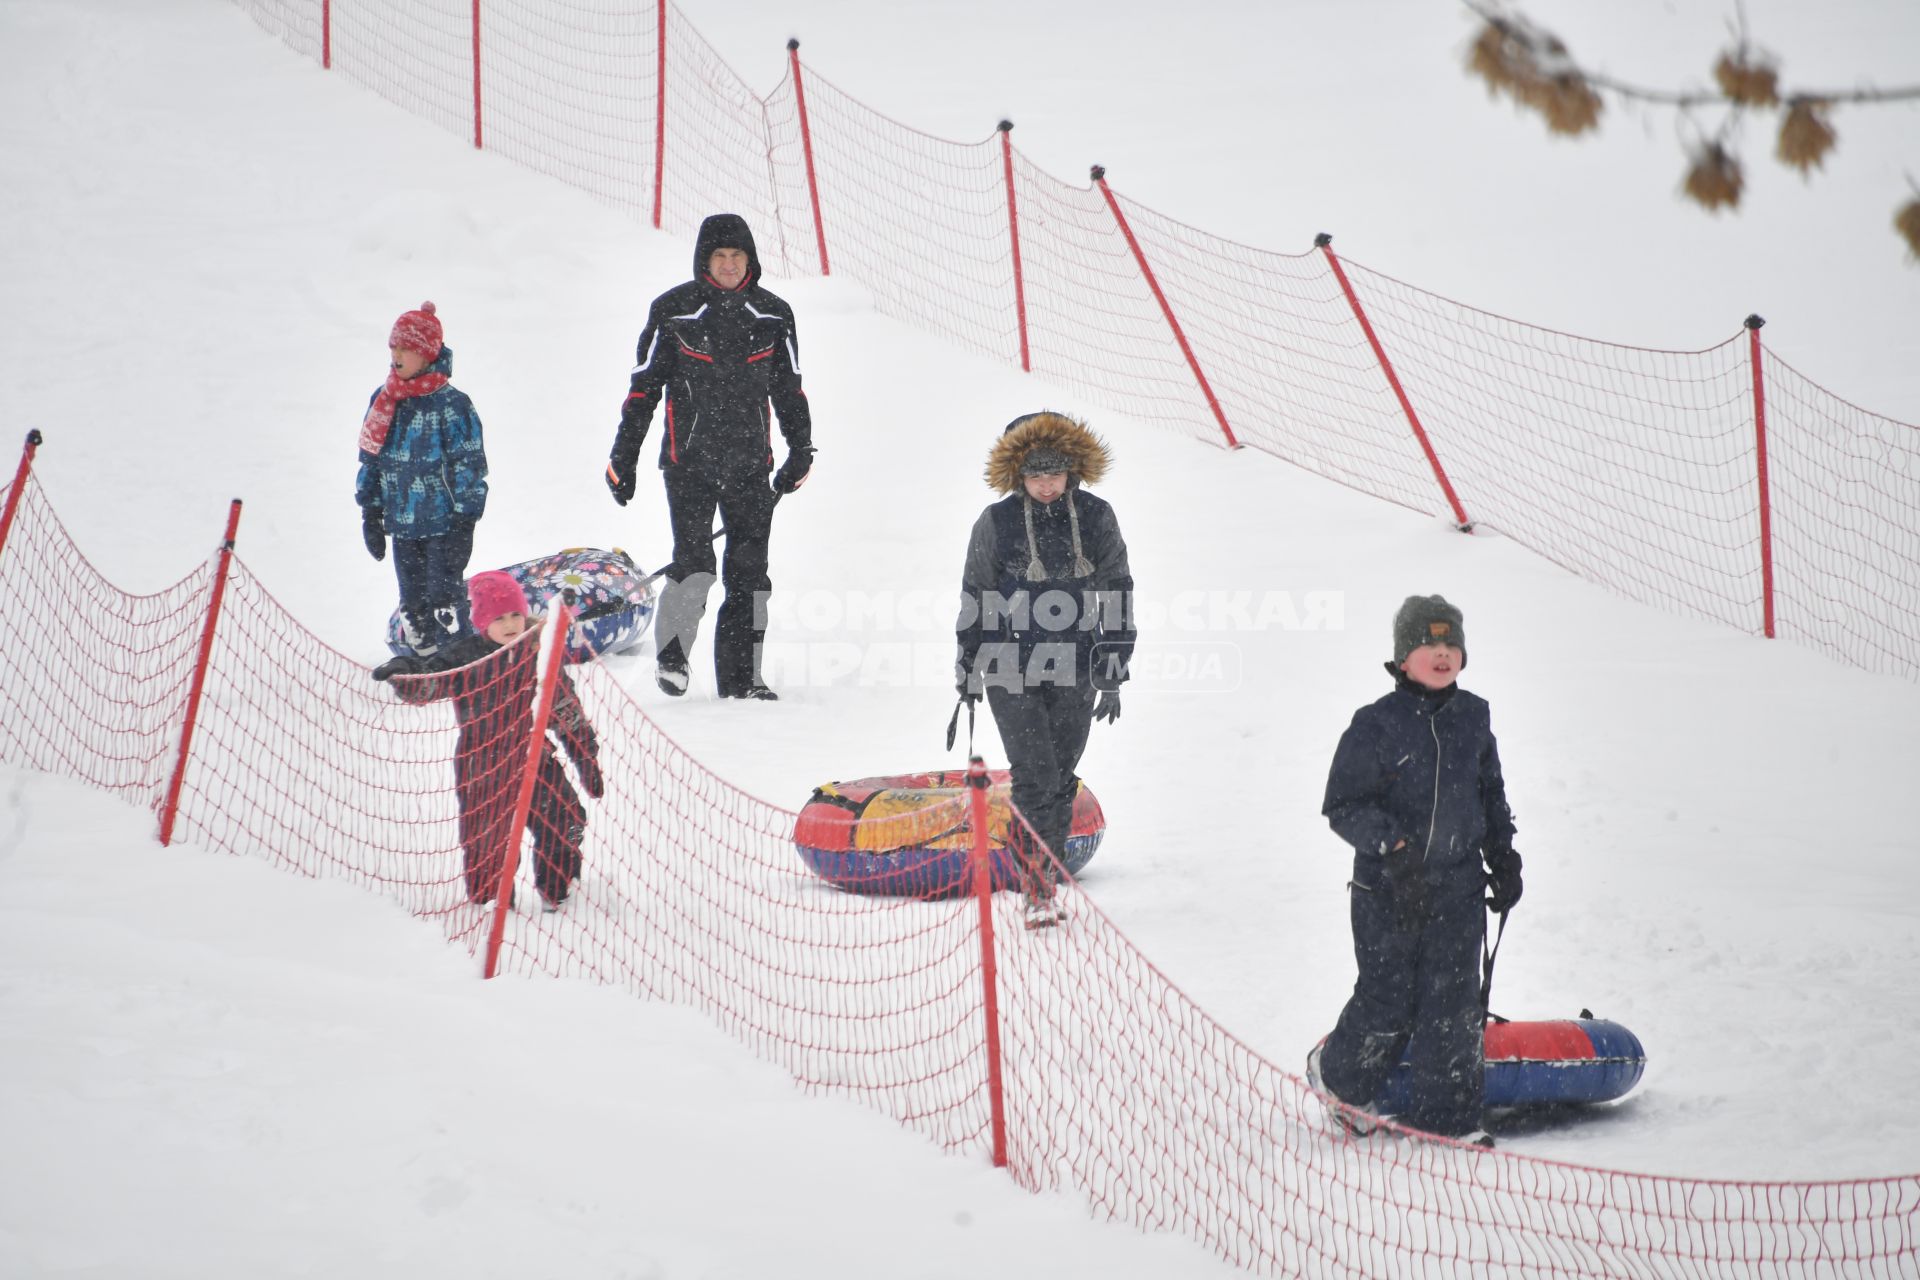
717,351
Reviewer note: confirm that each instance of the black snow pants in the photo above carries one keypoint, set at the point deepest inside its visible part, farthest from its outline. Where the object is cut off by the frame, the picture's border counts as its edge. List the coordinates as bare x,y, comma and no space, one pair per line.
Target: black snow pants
1417,996
745,502
1044,729
433,584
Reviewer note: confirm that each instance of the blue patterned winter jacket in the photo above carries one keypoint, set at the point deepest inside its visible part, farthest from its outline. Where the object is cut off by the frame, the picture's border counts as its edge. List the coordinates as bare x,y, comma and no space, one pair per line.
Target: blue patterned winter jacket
433,467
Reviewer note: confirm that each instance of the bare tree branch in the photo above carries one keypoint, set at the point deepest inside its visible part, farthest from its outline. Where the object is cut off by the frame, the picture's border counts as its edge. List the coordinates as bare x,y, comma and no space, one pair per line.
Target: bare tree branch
1511,24
1533,66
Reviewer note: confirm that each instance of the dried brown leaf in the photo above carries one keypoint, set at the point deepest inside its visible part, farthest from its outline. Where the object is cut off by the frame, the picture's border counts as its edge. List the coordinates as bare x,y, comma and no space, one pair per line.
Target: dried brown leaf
1805,136
1907,223
1570,105
1509,58
1714,182
1492,57
1747,79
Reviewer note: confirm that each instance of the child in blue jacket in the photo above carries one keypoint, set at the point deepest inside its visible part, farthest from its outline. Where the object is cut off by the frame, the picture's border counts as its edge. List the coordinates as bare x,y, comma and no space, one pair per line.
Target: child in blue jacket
423,479
1416,789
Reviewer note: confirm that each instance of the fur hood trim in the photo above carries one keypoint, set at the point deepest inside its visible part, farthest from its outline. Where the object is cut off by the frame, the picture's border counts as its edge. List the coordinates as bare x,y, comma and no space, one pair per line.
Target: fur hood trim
1087,455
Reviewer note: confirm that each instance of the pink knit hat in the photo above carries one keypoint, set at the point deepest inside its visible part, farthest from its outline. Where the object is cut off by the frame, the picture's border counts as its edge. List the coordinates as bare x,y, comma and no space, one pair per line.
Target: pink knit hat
418,332
492,594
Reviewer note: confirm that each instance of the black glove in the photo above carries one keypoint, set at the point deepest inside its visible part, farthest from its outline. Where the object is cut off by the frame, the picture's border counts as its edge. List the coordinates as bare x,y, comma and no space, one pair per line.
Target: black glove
965,683
404,665
374,531
793,471
590,776
1503,880
1108,708
1406,888
621,483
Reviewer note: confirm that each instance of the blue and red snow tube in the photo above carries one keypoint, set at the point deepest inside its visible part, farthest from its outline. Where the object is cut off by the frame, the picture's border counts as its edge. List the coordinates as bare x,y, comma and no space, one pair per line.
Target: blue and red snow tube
1540,1063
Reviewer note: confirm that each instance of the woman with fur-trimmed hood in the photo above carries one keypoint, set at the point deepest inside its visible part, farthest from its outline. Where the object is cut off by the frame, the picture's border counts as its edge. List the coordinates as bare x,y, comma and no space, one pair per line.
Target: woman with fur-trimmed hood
1046,623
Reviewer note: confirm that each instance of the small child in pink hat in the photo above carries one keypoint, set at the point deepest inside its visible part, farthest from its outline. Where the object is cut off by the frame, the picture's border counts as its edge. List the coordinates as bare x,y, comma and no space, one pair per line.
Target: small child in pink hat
490,675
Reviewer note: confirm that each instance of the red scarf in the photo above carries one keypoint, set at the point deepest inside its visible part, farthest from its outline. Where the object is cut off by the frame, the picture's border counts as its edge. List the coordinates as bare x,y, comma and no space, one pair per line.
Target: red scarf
373,432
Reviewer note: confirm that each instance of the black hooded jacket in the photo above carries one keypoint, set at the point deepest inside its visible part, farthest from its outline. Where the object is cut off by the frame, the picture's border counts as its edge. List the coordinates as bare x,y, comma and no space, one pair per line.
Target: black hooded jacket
716,358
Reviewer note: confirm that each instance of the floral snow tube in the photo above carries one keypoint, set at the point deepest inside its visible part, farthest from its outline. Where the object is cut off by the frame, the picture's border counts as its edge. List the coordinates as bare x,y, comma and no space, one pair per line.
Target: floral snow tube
1584,1059
909,834
612,603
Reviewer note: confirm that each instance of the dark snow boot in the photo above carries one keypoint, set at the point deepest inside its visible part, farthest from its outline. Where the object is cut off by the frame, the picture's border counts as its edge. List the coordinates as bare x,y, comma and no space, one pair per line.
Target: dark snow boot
418,634
671,675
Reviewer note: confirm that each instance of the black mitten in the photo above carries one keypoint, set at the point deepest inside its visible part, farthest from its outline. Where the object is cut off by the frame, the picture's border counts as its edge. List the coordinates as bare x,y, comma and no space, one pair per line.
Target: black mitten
1504,885
374,530
794,470
404,665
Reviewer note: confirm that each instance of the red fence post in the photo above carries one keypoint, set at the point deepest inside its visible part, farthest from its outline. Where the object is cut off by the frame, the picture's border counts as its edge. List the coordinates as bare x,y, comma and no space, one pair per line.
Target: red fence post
476,75
1325,243
170,807
806,147
19,483
1013,230
1166,308
1766,489
659,106
558,620
326,35
989,973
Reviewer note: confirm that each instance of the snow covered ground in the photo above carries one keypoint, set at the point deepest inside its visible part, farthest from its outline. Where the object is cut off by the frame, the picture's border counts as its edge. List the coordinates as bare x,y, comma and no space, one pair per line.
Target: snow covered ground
203,241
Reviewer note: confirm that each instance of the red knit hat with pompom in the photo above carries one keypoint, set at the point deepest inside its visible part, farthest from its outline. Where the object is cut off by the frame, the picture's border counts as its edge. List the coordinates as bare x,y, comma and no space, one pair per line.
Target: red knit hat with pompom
418,332
492,594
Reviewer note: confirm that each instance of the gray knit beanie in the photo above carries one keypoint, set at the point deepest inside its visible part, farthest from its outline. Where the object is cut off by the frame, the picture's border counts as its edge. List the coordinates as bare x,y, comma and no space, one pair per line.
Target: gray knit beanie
1428,620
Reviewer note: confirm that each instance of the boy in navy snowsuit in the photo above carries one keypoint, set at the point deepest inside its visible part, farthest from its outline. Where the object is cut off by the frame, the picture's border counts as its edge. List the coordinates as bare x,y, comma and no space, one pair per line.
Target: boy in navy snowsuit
1416,789
423,479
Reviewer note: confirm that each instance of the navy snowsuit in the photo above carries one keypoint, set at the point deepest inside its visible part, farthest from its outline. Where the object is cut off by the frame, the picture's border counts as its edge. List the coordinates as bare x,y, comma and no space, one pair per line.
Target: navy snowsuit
1422,766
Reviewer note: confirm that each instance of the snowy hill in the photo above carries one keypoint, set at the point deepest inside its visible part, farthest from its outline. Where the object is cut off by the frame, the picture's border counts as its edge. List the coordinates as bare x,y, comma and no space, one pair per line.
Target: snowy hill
206,239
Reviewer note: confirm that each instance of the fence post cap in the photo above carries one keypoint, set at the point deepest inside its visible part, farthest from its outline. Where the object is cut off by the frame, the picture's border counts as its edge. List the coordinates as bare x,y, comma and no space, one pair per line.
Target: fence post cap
1099,172
1754,321
1004,126
1322,240
793,42
34,437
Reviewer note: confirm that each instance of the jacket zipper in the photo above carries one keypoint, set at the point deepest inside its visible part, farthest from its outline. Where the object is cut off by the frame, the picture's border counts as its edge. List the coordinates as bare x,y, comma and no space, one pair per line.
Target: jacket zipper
1433,814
